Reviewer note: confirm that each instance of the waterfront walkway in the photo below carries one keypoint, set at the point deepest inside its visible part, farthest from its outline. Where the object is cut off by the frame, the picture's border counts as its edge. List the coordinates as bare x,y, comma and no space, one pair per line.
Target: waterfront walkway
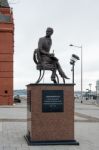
13,127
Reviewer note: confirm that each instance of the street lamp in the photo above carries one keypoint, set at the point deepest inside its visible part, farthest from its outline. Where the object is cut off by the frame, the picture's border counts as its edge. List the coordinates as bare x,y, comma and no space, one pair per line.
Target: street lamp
90,84
73,59
81,68
87,94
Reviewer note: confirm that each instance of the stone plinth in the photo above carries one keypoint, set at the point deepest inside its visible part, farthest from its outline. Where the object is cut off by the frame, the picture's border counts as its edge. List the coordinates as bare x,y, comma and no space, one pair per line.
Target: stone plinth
50,113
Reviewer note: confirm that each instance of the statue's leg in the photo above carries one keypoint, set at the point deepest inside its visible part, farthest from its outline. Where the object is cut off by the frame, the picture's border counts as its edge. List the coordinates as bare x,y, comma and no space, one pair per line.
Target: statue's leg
61,72
53,76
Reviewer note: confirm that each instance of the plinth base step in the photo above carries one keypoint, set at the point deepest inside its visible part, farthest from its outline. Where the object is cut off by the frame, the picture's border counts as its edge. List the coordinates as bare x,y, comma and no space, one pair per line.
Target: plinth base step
63,142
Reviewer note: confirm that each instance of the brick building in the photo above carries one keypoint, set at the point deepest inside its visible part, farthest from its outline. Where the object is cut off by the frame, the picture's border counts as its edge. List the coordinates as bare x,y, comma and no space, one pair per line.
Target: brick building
6,53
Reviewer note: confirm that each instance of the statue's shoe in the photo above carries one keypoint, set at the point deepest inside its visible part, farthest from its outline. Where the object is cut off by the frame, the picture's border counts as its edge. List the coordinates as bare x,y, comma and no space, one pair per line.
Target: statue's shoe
66,77
63,75
54,80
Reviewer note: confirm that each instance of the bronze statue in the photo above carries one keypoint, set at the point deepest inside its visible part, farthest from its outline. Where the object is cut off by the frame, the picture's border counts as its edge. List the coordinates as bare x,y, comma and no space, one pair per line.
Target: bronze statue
4,3
46,60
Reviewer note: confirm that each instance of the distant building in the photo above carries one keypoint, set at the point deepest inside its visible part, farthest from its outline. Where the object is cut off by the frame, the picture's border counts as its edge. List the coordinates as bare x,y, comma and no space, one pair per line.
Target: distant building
6,53
97,89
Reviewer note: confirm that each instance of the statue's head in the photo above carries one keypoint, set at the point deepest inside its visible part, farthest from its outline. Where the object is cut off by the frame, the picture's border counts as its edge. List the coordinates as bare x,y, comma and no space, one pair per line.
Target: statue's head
49,31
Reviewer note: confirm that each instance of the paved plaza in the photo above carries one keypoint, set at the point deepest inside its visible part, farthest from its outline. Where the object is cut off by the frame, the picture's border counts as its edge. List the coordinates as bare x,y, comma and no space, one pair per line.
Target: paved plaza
13,127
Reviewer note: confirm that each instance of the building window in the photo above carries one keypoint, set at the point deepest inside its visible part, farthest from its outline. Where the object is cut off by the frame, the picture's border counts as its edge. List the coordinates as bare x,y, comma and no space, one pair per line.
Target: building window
6,91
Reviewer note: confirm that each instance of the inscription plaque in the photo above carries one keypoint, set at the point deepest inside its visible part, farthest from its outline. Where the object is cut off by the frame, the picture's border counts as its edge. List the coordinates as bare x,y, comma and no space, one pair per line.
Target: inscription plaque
52,101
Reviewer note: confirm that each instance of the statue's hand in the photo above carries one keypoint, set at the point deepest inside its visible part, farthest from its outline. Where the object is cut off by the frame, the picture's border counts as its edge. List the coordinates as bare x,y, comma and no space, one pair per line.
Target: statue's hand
51,55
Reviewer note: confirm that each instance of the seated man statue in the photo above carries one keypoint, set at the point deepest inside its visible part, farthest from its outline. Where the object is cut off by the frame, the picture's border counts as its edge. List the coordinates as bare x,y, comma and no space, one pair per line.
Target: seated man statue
48,59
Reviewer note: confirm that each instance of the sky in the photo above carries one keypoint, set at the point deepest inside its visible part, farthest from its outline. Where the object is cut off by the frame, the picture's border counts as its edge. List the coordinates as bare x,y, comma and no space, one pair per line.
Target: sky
74,22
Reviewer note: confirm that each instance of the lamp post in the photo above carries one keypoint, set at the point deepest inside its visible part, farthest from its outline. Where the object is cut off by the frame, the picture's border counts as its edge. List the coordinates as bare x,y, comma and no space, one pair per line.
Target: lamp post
81,68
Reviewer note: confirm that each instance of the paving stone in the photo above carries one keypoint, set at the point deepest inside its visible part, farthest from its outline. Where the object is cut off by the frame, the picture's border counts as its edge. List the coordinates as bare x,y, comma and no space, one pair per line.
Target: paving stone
23,148
9,148
1,147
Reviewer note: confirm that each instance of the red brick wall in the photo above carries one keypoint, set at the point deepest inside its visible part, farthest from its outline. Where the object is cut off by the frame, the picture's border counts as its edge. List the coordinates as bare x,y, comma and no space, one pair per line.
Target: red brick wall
51,125
6,59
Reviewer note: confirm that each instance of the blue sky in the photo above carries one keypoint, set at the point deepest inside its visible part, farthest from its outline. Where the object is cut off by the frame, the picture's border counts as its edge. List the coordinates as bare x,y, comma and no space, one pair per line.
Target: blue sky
74,22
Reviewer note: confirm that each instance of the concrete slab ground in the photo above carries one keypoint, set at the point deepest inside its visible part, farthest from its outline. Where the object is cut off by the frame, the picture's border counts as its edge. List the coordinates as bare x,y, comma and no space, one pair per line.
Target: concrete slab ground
13,127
